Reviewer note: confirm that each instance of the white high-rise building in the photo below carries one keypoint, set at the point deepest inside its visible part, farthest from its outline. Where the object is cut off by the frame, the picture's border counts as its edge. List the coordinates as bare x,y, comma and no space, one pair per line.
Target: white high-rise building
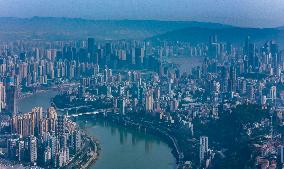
281,154
33,149
47,155
273,92
78,141
2,96
203,149
122,106
149,101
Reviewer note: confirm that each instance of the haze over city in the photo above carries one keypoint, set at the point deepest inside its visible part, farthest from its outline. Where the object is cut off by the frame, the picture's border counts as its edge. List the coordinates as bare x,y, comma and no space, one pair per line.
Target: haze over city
142,84
246,13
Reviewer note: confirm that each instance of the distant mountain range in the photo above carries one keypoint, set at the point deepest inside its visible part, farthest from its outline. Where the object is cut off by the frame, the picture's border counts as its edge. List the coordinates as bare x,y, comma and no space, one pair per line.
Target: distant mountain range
235,35
53,28
76,28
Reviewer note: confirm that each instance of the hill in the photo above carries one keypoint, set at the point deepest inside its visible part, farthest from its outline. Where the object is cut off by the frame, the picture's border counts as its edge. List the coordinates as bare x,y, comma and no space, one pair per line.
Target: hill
77,28
226,34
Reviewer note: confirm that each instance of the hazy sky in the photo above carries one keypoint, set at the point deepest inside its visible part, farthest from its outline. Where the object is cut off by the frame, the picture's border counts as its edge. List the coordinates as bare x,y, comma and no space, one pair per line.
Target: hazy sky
257,13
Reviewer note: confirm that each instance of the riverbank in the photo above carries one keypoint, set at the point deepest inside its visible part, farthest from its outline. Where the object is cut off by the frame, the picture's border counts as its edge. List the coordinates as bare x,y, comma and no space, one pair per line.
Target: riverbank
54,87
30,94
171,141
95,154
142,127
88,154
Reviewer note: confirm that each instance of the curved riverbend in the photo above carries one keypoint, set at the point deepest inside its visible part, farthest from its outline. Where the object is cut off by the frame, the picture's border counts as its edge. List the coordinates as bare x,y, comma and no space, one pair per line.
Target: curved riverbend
41,99
122,148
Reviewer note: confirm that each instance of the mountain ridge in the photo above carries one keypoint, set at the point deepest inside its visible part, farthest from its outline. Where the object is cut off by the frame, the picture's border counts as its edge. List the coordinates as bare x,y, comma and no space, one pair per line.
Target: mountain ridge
12,28
235,35
62,28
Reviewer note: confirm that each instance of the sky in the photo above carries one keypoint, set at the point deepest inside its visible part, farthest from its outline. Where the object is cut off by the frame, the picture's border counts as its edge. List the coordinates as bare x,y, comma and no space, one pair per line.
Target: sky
250,13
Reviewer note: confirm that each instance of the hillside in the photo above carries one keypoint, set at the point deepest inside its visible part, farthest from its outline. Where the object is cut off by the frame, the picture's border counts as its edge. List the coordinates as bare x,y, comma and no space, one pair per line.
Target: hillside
76,28
227,34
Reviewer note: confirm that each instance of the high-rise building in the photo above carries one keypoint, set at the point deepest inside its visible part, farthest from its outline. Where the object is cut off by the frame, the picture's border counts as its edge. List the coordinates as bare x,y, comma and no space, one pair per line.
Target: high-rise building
61,121
121,106
246,47
54,147
33,149
77,141
203,149
47,156
2,96
52,119
149,101
91,45
281,154
37,120
12,148
21,150
252,56
11,94
27,128
273,93
139,56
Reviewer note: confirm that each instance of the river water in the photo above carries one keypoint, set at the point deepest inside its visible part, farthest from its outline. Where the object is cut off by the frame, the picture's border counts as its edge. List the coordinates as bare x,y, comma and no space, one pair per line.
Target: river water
41,99
122,148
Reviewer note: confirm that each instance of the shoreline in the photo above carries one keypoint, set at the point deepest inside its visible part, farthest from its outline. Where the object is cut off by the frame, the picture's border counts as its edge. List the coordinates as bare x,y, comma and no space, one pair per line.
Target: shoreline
161,134
96,152
170,141
27,95
90,150
95,148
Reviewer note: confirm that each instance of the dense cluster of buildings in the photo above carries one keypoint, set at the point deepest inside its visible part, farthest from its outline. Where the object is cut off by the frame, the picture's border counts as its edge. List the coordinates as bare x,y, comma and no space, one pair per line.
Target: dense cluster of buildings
43,138
134,76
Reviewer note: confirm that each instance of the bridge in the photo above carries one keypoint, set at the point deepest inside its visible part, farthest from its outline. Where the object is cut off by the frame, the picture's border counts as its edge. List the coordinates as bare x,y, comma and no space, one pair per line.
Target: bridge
98,111
71,108
81,114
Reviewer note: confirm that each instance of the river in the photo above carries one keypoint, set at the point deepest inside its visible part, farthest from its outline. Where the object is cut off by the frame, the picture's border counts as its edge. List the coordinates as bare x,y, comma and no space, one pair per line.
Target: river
122,148
41,99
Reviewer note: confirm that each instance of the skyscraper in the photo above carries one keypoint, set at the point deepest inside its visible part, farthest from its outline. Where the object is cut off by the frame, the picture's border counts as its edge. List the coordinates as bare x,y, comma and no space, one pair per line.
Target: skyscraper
91,45
273,93
78,141
149,101
61,124
37,119
21,149
281,154
203,149
252,56
121,106
2,96
12,148
33,149
11,92
139,56
246,47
